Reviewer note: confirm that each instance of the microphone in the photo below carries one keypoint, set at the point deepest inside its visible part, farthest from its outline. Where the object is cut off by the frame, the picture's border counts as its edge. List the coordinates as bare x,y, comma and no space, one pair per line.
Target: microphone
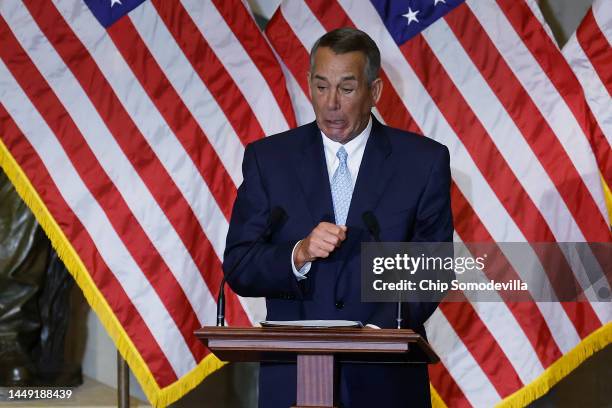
371,223
276,218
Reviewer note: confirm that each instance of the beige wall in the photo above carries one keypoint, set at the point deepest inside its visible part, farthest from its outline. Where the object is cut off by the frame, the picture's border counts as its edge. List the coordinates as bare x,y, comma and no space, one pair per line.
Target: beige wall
563,16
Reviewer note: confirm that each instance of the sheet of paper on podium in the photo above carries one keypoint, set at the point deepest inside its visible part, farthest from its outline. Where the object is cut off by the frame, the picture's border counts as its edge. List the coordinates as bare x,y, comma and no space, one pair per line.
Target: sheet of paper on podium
311,323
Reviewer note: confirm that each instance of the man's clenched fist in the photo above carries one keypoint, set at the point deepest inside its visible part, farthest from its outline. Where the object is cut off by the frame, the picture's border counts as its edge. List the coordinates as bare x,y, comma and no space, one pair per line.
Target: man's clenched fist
323,239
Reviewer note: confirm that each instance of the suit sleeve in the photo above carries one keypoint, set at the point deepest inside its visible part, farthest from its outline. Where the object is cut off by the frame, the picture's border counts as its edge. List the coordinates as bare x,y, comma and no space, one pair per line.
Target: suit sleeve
434,223
266,270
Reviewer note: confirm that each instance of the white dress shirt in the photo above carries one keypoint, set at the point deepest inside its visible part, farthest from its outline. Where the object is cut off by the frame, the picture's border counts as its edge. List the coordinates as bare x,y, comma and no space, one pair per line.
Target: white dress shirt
355,149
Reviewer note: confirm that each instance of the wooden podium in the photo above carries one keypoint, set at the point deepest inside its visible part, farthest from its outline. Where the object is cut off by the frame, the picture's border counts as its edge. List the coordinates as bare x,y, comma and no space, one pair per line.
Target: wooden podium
317,351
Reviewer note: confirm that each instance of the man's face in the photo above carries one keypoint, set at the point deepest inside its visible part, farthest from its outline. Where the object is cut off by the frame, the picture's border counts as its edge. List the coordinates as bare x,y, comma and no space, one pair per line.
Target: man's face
341,97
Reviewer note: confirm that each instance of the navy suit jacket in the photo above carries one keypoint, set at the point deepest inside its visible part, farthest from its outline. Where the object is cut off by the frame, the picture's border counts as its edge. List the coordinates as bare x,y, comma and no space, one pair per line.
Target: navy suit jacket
404,179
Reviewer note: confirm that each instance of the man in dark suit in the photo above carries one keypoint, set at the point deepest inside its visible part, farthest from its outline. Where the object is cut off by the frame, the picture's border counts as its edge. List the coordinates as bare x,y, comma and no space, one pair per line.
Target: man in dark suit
325,175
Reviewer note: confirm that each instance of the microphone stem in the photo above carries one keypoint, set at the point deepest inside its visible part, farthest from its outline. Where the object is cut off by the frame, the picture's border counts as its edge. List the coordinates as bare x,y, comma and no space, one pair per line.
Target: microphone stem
399,315
277,216
221,305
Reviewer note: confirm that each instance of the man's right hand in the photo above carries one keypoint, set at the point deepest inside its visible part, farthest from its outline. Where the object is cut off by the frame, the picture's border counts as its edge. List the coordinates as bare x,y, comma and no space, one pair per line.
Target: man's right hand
321,242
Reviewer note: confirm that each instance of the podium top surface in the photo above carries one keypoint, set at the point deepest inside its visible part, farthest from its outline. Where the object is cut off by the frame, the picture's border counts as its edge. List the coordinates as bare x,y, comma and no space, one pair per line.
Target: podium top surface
284,343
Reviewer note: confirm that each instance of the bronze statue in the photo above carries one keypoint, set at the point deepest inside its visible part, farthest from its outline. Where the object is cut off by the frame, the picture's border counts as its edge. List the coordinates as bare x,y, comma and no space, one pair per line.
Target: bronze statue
34,300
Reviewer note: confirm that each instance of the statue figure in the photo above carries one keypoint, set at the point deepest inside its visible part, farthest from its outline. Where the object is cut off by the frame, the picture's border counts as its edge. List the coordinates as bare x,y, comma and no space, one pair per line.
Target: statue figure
34,300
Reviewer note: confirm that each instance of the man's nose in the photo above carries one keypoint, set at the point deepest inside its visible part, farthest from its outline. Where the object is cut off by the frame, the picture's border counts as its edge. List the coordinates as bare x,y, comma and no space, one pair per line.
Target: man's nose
333,101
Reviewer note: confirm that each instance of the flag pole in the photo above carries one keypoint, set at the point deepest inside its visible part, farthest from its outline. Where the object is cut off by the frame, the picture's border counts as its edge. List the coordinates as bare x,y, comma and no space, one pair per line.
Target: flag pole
123,382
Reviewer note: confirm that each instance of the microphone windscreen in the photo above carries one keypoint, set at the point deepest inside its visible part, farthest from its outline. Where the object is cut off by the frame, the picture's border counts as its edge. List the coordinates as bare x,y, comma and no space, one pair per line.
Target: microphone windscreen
371,223
277,216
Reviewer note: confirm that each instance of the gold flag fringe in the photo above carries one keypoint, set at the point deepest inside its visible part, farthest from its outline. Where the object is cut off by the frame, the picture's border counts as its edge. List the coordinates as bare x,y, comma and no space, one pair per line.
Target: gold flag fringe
594,342
608,197
436,400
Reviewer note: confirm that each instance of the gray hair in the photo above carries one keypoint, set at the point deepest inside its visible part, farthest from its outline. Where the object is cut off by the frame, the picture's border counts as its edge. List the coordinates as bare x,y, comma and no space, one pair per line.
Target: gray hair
345,40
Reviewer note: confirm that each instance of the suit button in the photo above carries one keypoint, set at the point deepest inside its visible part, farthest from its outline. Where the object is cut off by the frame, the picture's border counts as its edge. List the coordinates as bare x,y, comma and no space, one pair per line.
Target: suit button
339,304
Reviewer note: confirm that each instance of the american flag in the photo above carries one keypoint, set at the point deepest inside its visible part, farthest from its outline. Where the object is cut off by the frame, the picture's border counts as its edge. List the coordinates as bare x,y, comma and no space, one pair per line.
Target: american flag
125,135
485,78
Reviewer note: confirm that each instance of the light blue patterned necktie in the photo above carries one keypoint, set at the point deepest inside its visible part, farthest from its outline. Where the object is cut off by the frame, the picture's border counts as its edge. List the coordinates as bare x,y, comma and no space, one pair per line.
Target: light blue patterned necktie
341,188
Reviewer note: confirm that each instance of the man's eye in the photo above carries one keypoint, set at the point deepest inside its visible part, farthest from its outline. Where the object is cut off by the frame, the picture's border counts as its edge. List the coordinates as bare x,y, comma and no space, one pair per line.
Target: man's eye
321,88
347,90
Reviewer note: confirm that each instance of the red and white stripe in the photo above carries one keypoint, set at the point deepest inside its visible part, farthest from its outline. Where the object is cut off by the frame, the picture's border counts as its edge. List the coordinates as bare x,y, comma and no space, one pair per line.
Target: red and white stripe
589,53
133,136
522,162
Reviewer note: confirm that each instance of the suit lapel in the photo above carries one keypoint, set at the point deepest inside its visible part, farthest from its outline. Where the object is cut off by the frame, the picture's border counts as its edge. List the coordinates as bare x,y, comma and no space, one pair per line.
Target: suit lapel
312,173
374,174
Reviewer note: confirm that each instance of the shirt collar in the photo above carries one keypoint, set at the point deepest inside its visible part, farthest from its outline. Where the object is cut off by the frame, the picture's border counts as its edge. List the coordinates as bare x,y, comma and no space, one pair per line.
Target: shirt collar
357,143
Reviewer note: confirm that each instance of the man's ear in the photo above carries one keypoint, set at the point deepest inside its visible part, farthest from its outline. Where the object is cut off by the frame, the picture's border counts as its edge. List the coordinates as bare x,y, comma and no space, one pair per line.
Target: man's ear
376,90
309,87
